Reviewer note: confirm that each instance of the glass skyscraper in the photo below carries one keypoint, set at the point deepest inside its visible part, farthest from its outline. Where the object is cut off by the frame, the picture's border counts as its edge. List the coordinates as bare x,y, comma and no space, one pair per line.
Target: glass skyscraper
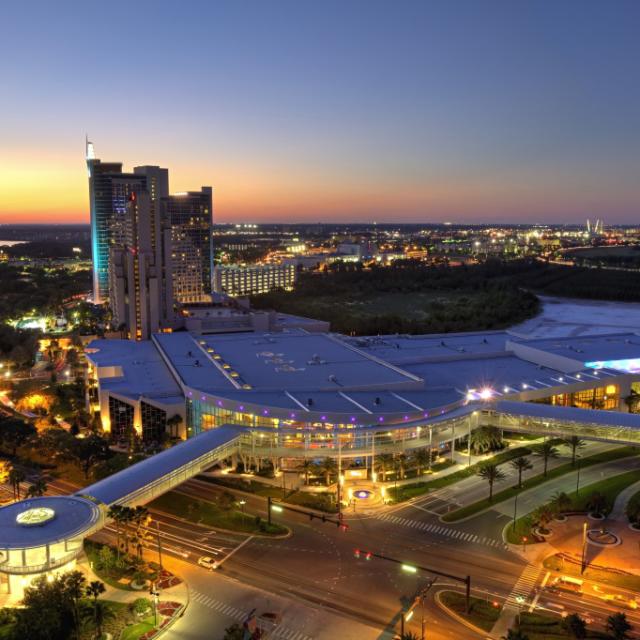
109,192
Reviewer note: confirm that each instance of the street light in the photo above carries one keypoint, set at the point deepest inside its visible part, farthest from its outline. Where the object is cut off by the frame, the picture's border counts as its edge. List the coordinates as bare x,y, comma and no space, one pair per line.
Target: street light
242,503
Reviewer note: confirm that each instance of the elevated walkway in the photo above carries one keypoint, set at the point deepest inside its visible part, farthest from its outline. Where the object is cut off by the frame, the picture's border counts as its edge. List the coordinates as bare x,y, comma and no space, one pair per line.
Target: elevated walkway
553,420
158,474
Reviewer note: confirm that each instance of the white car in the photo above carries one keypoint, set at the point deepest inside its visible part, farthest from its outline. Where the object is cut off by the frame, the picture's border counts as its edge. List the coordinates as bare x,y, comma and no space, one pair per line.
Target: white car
208,563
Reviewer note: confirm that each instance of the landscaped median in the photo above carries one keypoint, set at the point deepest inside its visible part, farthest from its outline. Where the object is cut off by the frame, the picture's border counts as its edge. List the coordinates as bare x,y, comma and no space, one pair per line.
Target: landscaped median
221,514
482,614
530,483
322,501
607,491
408,491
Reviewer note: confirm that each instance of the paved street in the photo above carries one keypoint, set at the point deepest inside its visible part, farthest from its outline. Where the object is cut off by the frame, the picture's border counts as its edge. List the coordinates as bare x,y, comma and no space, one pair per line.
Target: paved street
316,583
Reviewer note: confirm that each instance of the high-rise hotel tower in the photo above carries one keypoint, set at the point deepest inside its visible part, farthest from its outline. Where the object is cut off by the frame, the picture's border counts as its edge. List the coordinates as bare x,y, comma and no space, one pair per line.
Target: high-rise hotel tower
109,191
188,216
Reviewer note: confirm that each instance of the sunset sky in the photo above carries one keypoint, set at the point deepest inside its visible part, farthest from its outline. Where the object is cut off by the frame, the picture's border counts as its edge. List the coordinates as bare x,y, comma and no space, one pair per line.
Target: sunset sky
354,110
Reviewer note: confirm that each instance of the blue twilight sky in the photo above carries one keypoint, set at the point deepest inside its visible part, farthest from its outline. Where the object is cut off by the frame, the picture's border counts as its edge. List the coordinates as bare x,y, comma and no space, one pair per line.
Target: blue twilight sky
402,110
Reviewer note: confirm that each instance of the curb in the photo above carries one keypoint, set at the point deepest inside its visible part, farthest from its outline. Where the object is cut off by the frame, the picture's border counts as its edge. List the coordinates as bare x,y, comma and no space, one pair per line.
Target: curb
455,616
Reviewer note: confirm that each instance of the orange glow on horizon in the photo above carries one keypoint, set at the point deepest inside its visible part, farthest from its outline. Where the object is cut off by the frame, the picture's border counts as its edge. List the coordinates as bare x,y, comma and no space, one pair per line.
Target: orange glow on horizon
41,188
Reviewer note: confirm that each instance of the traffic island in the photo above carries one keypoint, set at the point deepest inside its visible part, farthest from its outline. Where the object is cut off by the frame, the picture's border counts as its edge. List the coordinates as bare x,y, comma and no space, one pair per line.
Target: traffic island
221,515
482,614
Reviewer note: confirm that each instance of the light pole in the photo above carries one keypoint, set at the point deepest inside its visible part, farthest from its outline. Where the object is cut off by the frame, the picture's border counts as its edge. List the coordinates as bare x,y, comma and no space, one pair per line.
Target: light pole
242,503
515,513
577,476
159,544
155,594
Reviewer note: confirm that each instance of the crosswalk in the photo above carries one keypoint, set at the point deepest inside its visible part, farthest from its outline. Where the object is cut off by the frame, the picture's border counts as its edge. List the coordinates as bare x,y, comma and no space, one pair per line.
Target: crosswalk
523,587
240,616
455,534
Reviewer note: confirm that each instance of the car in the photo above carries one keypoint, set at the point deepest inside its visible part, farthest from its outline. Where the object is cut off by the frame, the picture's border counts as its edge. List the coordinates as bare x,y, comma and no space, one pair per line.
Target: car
208,562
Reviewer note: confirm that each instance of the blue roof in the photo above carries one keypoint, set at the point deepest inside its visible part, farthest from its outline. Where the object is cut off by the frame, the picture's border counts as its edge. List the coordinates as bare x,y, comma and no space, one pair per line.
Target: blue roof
119,485
401,349
73,516
299,360
139,368
569,414
494,372
618,346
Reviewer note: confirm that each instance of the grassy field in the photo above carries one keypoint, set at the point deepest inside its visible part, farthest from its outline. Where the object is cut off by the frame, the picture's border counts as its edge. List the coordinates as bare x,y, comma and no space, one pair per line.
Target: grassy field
207,513
534,481
482,614
408,491
609,488
134,631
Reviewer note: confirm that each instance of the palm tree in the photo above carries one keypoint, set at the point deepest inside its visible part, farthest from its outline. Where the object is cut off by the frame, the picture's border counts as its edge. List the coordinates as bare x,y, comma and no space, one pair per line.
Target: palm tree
383,462
574,443
116,513
575,626
490,472
401,460
95,589
485,439
542,516
546,450
560,501
328,466
306,466
74,583
618,626
37,489
16,476
597,503
409,635
521,464
100,612
421,457
173,423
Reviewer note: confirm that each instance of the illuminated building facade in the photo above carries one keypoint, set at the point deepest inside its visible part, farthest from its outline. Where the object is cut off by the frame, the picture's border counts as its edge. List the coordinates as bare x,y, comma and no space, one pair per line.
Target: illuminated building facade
109,192
140,288
252,280
188,216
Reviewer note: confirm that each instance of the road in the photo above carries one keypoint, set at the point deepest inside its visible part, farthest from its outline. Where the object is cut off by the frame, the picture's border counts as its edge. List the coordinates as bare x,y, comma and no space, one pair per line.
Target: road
316,567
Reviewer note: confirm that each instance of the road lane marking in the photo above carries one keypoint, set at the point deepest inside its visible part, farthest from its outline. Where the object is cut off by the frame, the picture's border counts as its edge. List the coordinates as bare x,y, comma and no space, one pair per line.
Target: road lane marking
236,549
455,534
542,586
280,631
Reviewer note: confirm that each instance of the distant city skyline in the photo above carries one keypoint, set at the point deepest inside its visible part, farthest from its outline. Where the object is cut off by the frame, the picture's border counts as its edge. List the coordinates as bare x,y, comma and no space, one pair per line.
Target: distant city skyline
355,111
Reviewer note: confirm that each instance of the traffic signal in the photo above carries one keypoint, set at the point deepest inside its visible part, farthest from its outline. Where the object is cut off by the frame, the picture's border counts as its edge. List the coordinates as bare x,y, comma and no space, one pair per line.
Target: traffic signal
356,553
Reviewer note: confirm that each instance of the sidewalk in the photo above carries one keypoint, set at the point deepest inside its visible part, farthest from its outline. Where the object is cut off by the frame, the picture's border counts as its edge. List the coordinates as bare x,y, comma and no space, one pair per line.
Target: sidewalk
473,489
530,499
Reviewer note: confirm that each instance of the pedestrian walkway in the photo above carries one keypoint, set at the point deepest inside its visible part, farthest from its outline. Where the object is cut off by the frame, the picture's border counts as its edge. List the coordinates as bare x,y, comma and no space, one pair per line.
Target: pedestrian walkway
620,505
454,534
236,614
516,600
